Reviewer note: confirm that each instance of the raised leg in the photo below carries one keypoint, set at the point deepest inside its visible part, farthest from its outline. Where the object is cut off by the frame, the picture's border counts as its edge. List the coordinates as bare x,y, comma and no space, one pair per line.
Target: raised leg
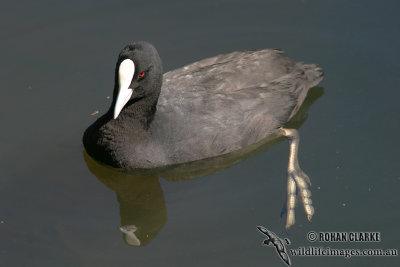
297,180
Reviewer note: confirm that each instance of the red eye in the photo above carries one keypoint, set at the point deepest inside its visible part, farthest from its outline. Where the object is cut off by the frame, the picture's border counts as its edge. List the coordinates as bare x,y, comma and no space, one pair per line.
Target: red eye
141,75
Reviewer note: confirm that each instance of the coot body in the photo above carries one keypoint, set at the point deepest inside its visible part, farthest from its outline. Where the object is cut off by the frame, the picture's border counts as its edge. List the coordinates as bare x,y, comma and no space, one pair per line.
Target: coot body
205,109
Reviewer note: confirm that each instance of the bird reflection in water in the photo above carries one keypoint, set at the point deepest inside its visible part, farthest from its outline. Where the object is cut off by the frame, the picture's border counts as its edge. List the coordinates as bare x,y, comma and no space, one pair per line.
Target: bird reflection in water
142,205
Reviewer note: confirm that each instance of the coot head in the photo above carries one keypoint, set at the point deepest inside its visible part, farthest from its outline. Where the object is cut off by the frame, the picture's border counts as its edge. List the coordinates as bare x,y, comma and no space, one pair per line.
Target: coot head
138,76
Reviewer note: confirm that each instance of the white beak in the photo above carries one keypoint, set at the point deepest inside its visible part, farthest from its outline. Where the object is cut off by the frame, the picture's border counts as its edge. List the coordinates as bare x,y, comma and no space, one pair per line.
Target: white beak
129,234
125,75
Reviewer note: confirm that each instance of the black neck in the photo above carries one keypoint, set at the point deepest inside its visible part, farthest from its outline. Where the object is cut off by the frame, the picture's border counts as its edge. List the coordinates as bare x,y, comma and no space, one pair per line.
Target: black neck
137,111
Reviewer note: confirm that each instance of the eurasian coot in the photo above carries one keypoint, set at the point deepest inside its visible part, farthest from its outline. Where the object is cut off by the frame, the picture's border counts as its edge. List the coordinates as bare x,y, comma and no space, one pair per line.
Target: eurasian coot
205,109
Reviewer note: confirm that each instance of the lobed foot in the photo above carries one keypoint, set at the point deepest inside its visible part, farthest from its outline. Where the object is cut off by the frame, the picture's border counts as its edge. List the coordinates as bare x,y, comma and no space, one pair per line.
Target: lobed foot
298,181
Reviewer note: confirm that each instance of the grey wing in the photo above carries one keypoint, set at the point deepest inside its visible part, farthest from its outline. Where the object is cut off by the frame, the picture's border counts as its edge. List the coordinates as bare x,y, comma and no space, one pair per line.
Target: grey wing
225,103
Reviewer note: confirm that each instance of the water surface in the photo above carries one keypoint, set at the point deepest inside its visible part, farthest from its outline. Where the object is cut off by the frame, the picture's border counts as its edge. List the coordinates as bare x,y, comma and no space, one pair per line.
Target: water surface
57,66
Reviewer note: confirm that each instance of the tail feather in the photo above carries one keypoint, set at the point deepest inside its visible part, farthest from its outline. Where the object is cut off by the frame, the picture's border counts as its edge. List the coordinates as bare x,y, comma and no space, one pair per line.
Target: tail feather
313,75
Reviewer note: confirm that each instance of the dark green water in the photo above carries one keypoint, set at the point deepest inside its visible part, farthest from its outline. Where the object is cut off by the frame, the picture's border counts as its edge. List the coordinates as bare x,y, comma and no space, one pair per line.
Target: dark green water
57,66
